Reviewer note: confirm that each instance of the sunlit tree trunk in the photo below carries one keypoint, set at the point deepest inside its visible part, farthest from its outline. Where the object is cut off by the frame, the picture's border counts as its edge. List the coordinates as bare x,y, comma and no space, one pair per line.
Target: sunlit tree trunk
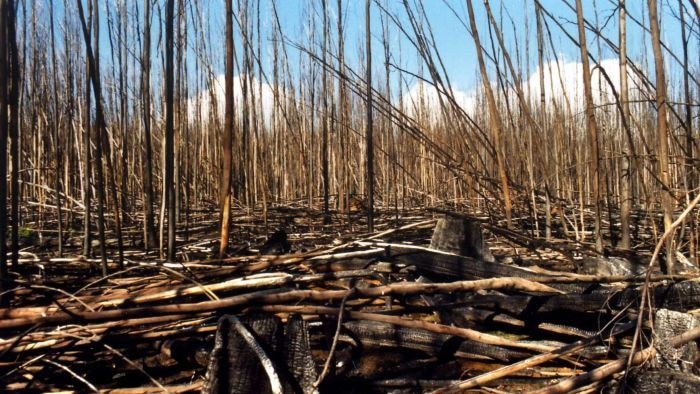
324,118
625,197
662,133
591,126
495,124
225,185
369,138
690,170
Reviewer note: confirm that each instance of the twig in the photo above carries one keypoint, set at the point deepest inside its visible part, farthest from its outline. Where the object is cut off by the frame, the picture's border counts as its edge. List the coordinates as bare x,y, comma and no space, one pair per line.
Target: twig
118,353
645,288
616,366
527,363
75,375
329,359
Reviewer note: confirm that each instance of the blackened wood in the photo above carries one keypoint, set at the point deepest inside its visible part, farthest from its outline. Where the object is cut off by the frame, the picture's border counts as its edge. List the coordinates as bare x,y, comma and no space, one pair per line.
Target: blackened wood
462,236
276,244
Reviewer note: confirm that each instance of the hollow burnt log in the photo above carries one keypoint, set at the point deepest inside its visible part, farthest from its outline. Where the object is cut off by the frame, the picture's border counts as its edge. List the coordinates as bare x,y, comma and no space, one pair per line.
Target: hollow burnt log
256,354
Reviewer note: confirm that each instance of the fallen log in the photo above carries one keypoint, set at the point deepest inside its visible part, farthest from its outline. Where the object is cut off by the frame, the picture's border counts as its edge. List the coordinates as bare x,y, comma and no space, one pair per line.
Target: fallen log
616,366
681,296
370,333
276,296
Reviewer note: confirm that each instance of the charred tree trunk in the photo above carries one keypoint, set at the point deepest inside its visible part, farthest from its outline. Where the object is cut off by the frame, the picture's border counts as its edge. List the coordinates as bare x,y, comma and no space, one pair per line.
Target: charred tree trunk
5,16
95,79
149,230
369,138
169,183
57,136
87,238
14,101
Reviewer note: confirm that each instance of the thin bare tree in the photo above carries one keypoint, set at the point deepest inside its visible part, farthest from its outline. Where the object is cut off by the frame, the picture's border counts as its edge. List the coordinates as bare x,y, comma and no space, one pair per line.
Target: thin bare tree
169,182
495,124
225,184
101,126
667,199
149,230
5,16
369,138
591,126
625,196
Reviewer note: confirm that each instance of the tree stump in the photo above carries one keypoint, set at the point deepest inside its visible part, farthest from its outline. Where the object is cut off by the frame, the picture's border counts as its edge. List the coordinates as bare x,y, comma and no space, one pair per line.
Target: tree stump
462,236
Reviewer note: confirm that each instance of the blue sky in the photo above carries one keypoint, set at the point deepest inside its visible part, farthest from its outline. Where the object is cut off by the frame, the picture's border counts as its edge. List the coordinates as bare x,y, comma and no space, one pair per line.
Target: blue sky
453,41
456,46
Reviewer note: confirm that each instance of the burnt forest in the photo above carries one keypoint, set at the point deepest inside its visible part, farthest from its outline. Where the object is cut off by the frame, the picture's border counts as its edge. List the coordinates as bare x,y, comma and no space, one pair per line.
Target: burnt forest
350,196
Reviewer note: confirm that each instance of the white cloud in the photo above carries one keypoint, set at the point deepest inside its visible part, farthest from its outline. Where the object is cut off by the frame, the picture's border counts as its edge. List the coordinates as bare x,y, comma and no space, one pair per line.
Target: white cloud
202,102
431,100
562,81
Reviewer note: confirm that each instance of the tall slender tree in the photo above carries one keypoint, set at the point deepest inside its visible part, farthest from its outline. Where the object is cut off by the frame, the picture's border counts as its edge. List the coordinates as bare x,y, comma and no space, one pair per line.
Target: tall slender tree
369,138
691,174
225,184
14,122
495,124
4,133
87,172
662,133
625,195
57,136
324,117
591,126
169,182
101,125
149,230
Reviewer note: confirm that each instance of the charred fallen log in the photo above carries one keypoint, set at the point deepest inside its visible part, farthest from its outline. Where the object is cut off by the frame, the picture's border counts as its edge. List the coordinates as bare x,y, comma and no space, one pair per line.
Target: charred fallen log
366,333
680,296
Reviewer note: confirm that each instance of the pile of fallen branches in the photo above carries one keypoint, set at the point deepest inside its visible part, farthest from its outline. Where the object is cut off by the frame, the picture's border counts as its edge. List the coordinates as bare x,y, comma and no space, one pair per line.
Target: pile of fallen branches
378,315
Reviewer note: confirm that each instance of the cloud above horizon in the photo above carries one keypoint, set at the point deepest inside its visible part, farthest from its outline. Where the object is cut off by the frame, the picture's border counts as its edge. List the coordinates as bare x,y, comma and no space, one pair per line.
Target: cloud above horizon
201,104
563,82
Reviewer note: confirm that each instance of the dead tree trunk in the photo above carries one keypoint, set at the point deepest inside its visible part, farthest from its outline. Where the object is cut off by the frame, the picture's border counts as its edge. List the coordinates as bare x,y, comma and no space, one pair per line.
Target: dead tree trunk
57,137
495,124
169,183
691,175
225,185
662,130
149,230
625,197
87,237
368,126
14,101
95,78
324,117
5,16
591,126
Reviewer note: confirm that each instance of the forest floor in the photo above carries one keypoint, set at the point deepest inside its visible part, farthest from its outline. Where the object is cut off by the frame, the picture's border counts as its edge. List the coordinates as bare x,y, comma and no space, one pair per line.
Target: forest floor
151,326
